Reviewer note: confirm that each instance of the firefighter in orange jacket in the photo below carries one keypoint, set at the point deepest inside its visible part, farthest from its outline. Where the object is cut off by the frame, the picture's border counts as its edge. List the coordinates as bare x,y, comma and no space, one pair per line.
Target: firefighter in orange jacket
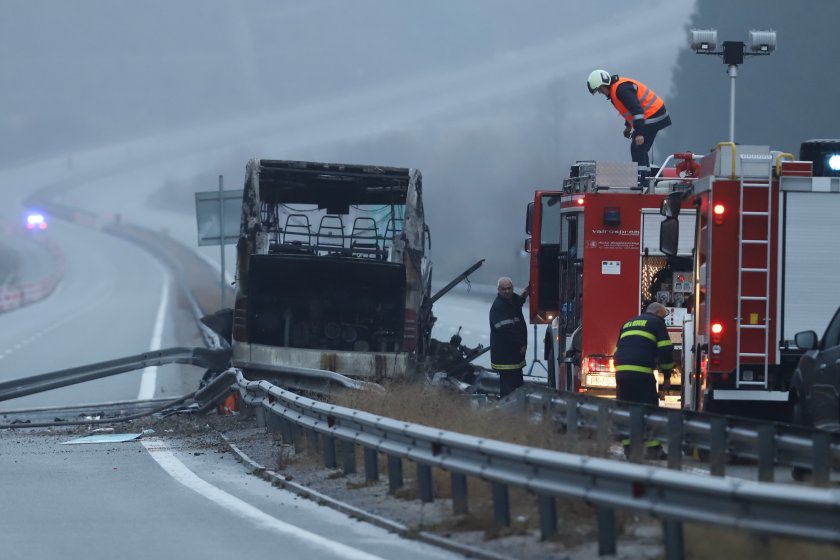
643,111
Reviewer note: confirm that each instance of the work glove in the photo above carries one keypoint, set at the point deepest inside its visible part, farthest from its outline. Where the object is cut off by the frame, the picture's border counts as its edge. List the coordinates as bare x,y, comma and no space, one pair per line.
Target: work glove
627,131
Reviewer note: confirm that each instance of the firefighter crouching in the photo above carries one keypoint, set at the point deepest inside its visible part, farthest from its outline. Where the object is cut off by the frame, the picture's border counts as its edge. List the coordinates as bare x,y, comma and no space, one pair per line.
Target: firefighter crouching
643,342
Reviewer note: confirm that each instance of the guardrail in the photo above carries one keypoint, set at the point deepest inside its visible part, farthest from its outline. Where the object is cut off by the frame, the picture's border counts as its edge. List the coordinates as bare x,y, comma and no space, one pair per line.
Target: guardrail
720,436
674,496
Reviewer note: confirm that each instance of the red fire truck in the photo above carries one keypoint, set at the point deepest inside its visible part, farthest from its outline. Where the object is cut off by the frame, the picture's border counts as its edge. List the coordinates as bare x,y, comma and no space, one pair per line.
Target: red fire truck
595,261
766,266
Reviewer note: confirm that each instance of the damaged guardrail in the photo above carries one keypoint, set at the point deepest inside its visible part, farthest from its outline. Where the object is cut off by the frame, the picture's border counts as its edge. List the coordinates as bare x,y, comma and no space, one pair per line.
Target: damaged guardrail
213,359
674,496
720,436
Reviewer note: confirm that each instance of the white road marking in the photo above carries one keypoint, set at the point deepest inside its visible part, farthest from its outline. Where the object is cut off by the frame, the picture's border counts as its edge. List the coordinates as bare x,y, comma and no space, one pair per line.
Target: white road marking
179,471
149,378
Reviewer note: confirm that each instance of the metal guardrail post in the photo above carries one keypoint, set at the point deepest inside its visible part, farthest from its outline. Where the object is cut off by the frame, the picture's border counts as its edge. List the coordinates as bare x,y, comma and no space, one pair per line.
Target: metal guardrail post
312,441
606,530
717,447
675,437
822,459
501,504
274,423
459,494
371,465
571,416
347,450
259,413
424,483
603,427
674,546
395,474
299,437
766,452
286,431
329,452
637,433
548,516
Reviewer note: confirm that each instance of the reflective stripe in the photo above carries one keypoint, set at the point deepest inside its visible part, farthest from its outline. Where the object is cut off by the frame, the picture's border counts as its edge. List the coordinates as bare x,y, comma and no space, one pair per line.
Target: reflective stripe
508,366
663,343
657,119
645,334
669,365
640,369
505,322
638,116
649,443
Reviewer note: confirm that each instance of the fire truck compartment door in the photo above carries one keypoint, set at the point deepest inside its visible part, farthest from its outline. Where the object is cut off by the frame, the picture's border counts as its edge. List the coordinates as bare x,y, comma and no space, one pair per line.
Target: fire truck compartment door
811,261
650,233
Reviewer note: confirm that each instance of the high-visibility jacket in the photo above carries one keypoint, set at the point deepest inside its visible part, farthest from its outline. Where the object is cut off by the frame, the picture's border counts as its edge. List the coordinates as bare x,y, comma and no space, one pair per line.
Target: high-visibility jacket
649,101
508,334
642,342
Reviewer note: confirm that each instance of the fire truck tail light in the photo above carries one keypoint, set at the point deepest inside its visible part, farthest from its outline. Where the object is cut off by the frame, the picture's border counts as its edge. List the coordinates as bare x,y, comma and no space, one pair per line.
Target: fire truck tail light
600,364
580,201
719,210
717,330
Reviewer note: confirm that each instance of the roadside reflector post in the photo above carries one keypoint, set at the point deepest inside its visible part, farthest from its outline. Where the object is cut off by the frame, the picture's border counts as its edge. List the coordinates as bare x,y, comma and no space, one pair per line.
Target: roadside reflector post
717,446
501,504
675,437
329,452
606,530
459,494
371,465
424,483
548,516
822,459
766,452
395,474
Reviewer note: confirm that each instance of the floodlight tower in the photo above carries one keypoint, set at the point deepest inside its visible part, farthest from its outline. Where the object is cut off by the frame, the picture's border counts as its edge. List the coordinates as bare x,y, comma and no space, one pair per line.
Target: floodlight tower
704,41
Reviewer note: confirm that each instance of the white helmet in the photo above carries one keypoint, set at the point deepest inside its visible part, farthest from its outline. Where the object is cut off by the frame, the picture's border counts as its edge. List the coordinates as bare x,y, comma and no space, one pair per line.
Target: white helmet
598,78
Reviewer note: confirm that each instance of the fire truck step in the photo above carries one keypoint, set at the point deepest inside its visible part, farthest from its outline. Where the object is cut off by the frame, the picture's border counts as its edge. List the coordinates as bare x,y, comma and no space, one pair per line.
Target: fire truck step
753,270
752,355
754,213
753,326
754,298
754,242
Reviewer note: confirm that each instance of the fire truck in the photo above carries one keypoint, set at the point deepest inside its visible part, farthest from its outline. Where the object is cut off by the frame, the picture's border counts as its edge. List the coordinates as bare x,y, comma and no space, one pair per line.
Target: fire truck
766,228
595,261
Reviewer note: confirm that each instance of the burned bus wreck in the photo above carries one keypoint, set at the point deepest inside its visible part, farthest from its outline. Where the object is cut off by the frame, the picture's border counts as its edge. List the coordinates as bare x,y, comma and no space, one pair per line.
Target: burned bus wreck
332,271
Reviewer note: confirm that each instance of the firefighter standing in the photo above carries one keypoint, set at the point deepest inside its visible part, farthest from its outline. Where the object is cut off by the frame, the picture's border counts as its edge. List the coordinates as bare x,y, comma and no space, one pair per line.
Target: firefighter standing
508,336
643,111
642,342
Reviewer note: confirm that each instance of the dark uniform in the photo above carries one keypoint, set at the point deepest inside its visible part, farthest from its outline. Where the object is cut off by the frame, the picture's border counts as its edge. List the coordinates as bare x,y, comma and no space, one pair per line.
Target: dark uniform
642,342
508,341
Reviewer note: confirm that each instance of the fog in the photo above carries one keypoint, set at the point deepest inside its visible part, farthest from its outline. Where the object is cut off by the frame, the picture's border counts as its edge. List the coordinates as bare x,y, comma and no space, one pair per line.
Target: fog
486,98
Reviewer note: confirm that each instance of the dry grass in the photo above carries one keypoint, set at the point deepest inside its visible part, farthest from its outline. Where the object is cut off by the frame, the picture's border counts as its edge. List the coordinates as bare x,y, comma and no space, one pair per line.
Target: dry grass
708,542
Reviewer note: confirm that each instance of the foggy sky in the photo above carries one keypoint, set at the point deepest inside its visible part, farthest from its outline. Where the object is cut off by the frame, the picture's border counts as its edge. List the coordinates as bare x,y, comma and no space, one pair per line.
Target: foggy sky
89,73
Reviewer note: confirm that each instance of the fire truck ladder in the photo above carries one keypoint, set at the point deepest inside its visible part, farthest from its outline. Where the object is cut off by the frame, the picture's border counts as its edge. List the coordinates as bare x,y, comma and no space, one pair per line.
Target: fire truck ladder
747,216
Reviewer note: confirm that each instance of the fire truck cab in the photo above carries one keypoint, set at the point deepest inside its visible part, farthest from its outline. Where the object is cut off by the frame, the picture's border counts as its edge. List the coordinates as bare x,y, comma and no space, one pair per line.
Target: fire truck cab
595,262
765,268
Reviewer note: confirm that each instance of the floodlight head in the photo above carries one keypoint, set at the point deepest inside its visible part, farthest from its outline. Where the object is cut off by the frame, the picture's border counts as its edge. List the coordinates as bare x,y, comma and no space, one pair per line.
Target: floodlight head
762,41
703,40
